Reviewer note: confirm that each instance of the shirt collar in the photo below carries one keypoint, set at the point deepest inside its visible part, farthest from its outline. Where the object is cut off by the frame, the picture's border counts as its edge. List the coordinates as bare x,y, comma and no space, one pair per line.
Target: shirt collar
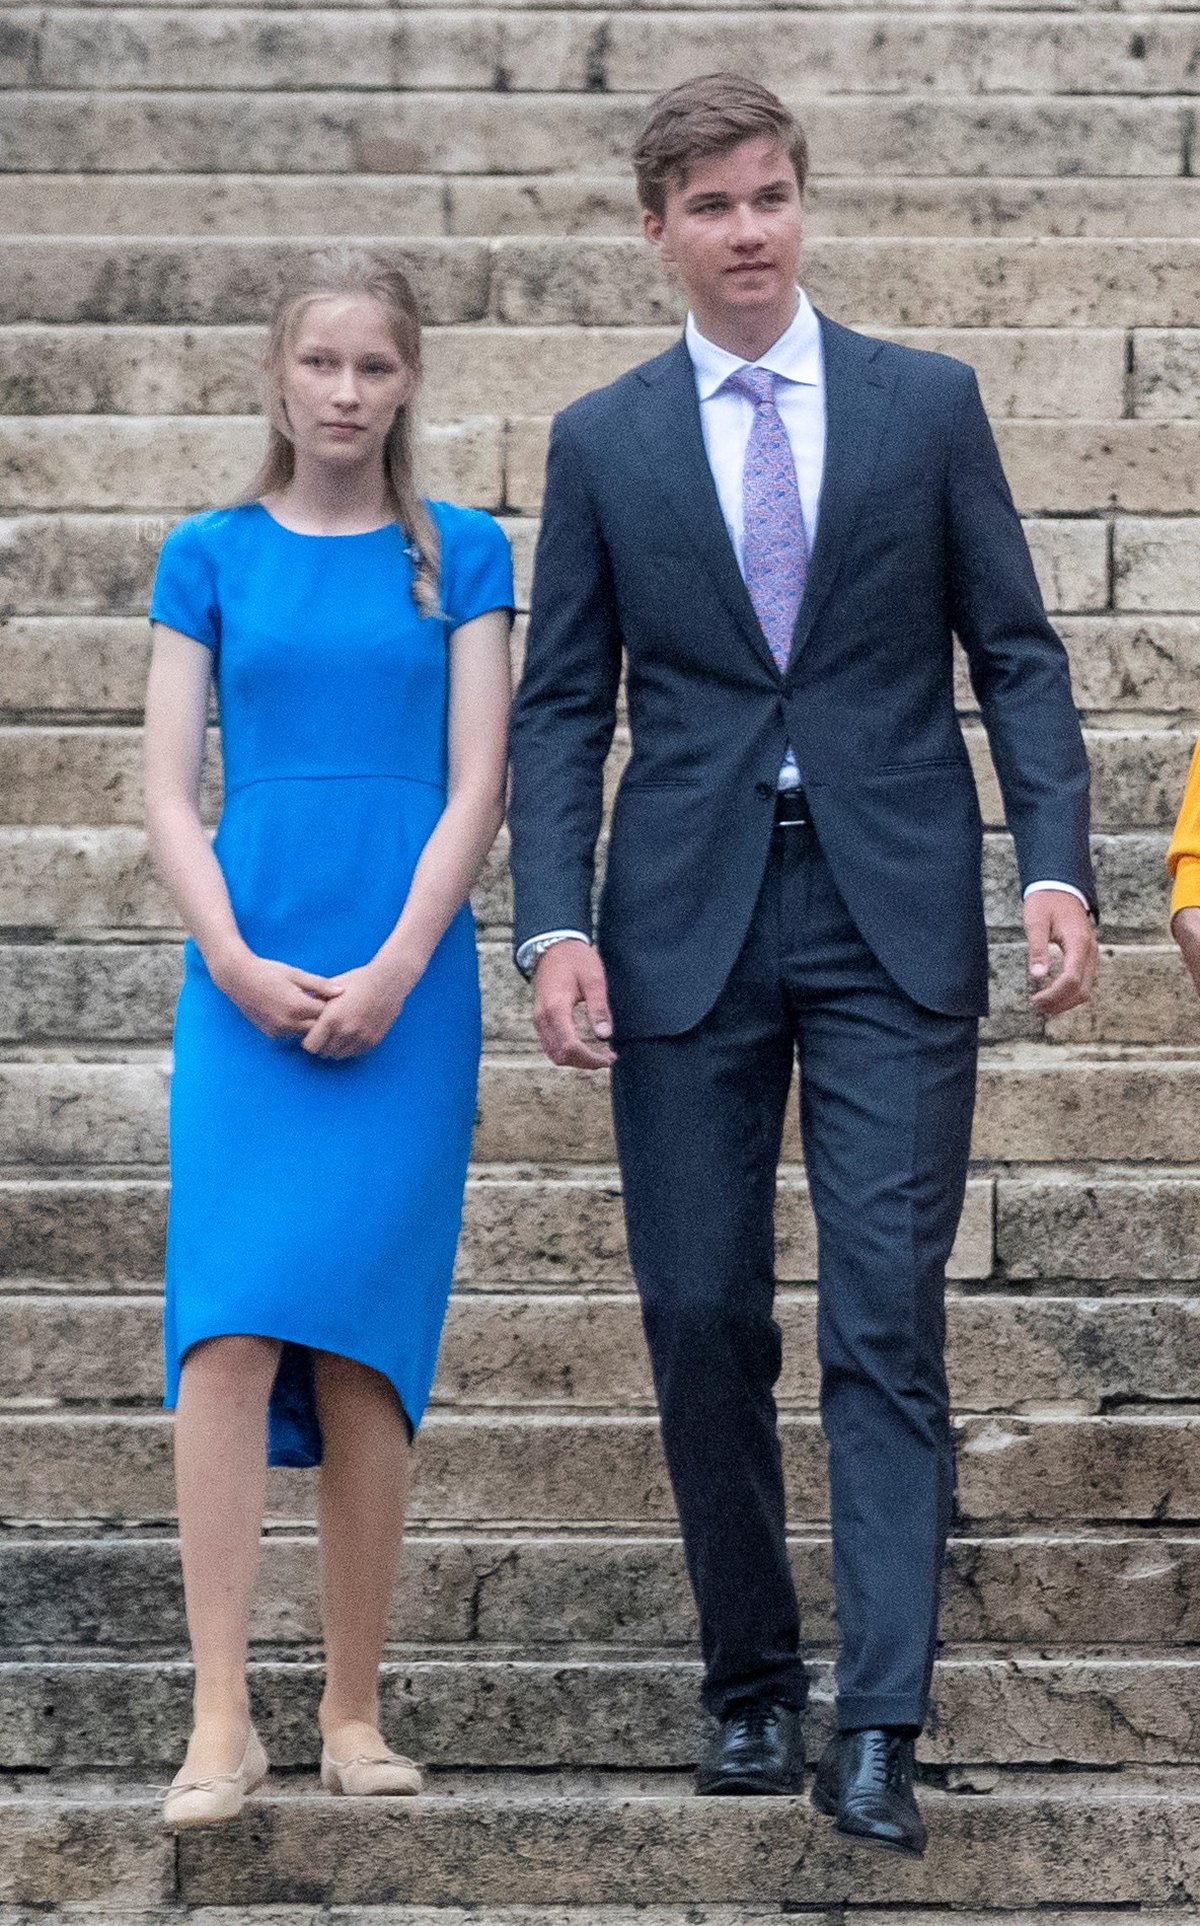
796,356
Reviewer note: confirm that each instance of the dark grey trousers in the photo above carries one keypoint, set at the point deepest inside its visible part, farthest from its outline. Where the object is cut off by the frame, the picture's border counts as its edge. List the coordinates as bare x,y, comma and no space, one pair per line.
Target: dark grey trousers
886,1100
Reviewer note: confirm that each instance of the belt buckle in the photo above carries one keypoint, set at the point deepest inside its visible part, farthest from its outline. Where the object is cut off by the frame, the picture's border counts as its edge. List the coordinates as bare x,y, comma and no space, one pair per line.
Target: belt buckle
792,800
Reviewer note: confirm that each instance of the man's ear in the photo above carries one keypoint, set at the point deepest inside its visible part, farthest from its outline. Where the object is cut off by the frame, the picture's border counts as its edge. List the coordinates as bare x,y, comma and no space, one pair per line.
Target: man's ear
653,228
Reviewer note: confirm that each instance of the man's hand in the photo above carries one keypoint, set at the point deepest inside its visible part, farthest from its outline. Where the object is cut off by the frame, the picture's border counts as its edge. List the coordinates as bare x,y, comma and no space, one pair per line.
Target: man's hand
1185,928
568,974
1055,916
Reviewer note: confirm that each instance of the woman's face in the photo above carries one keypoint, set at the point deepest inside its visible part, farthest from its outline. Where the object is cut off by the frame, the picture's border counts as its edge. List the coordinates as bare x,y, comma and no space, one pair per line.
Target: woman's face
342,380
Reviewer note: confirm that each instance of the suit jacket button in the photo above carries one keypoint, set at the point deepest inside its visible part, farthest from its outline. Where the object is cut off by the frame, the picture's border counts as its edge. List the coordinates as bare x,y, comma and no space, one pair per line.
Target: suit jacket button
764,790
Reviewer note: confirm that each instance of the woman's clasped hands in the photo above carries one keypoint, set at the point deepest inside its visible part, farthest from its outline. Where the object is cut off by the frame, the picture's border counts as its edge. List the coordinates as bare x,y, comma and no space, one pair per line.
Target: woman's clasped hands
334,1016
360,1008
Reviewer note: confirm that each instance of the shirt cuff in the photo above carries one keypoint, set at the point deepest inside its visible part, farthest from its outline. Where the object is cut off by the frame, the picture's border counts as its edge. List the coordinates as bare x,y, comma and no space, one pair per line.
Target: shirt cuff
1068,889
535,946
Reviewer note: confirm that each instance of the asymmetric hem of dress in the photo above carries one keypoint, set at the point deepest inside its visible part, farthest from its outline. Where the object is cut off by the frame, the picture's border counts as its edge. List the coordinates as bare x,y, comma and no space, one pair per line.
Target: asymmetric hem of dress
312,1201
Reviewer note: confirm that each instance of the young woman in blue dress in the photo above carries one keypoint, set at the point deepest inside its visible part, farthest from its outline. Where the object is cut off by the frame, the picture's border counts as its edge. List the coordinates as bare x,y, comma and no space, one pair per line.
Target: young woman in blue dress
328,1033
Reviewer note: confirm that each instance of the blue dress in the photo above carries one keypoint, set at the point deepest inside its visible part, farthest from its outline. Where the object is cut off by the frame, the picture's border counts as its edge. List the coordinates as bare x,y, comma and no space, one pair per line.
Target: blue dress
316,1201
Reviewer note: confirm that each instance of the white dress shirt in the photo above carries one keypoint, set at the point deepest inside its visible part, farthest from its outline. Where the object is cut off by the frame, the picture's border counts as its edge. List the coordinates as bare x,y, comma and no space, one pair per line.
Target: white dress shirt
725,419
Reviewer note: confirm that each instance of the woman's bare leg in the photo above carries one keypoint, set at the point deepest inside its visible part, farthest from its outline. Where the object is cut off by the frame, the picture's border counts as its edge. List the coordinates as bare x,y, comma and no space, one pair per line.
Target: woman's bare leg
221,1480
364,1492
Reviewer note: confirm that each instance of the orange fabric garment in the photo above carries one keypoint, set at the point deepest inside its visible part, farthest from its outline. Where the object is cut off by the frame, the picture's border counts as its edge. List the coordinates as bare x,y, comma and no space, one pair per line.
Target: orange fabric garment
1183,856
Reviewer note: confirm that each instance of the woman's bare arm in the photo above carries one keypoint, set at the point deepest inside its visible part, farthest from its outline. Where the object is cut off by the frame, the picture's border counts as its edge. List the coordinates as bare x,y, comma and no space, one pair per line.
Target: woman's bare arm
480,693
282,1001
176,721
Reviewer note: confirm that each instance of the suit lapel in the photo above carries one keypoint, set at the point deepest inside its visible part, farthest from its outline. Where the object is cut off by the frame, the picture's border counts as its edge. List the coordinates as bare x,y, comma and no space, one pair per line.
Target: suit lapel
668,423
858,396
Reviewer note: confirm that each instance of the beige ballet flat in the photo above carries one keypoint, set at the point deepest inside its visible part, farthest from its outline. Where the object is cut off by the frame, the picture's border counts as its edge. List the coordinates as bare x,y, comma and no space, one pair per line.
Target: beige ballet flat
366,1778
210,1802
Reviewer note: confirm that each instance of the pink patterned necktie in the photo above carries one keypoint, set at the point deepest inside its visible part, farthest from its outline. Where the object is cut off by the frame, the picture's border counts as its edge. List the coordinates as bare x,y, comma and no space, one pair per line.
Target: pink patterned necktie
774,544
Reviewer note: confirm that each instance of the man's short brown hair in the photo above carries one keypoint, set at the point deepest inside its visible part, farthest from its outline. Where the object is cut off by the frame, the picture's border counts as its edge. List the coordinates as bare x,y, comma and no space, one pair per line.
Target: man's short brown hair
707,116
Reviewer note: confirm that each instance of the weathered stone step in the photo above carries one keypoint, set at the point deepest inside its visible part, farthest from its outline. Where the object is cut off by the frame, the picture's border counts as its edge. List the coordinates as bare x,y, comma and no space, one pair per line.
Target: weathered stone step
1053,467
523,1229
85,461
414,132
1096,1233
103,564
1145,996
1155,565
1038,1106
73,666
617,282
548,52
93,775
124,992
469,205
90,992
77,879
301,1915
640,1915
1058,373
899,283
72,880
1014,8
588,1841
900,205
79,667
596,1711
689,1915
85,993
1122,661
52,775
1165,372
1085,1590
89,279
1041,1104
1113,1226
552,1469
172,462
523,1351
52,879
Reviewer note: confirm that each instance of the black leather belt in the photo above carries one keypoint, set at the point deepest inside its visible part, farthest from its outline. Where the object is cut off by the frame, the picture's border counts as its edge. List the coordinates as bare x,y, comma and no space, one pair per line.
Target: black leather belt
791,809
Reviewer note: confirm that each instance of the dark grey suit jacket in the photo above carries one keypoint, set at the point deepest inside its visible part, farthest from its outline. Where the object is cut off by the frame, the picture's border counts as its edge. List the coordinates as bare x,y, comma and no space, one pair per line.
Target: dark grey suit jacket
917,539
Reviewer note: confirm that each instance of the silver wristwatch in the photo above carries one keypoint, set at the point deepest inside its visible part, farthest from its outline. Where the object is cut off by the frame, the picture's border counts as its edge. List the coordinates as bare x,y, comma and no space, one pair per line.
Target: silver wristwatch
535,948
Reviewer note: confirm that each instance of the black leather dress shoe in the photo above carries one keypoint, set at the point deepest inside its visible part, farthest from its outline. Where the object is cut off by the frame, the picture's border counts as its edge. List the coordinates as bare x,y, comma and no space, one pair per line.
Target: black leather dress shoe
759,1748
864,1783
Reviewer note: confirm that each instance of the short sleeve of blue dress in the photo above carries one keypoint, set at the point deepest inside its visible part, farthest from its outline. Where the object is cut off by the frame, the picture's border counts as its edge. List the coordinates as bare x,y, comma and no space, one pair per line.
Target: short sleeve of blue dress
477,570
185,584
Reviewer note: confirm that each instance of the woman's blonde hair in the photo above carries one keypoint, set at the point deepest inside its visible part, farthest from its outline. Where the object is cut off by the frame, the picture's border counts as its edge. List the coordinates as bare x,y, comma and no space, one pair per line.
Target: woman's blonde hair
351,270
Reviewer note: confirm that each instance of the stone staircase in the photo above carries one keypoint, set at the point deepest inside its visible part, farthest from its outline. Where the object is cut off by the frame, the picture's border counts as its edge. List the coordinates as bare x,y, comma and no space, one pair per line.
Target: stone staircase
1013,186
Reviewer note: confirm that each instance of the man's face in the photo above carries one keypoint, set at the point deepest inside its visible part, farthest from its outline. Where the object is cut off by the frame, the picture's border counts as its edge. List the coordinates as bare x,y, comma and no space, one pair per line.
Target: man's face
733,231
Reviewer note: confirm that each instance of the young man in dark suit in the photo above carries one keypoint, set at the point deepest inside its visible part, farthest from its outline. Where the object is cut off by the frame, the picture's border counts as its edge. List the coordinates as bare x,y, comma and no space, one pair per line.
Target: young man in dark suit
779,525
